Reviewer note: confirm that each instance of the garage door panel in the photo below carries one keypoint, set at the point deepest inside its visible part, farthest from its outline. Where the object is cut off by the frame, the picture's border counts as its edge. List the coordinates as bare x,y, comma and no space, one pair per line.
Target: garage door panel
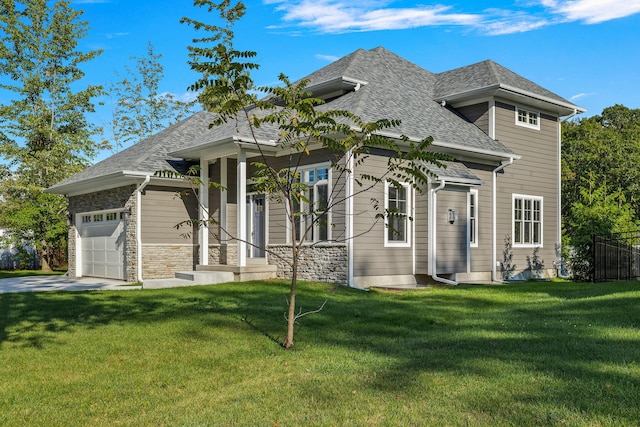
102,249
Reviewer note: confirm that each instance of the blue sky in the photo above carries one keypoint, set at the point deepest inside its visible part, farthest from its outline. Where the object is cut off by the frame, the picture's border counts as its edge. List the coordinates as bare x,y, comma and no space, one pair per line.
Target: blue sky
587,51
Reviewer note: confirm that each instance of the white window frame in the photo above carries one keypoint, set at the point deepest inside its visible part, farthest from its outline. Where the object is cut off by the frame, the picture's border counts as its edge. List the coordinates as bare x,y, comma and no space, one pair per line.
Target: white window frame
303,171
528,115
407,240
527,221
473,219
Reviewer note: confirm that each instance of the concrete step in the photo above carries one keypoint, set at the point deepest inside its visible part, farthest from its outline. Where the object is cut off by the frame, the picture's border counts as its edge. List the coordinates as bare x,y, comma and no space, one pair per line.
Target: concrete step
191,278
206,277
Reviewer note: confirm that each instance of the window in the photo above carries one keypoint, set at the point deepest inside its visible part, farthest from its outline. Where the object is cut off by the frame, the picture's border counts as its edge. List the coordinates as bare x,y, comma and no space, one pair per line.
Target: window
86,219
527,118
527,220
112,216
313,210
98,217
396,204
473,218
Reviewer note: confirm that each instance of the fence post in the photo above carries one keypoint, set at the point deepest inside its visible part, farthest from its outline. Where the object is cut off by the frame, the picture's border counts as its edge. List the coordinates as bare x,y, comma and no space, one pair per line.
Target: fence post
594,259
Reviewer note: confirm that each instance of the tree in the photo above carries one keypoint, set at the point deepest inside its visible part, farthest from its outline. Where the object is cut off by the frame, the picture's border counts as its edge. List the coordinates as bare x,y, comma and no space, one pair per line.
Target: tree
140,110
44,135
599,211
292,114
600,180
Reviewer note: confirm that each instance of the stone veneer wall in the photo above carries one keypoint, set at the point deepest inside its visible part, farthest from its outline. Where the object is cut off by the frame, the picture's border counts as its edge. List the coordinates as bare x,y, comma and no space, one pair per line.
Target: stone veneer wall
161,261
322,262
117,198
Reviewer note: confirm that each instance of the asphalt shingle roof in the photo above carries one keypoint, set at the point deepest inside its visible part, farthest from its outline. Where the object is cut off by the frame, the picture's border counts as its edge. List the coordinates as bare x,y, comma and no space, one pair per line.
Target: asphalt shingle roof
393,88
487,74
151,154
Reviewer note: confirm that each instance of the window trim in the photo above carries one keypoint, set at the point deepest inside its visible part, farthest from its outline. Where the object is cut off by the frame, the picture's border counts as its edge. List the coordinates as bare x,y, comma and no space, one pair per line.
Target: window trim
532,199
407,241
473,231
529,114
303,172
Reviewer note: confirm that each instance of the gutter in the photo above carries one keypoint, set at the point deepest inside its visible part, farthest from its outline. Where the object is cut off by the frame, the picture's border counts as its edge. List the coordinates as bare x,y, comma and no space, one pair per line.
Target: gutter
139,191
494,274
434,245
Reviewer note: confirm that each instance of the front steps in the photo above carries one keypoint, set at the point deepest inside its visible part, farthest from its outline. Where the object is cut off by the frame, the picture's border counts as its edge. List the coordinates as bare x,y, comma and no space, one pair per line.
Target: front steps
213,274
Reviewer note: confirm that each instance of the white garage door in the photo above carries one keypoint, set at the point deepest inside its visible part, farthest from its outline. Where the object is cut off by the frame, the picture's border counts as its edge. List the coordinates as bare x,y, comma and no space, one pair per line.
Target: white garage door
102,245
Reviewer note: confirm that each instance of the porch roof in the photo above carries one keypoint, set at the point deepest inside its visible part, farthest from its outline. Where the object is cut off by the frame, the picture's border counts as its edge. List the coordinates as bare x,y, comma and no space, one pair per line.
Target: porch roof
454,173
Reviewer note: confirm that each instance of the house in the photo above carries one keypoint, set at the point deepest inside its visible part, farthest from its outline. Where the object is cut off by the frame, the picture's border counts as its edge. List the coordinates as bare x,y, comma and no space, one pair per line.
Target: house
501,130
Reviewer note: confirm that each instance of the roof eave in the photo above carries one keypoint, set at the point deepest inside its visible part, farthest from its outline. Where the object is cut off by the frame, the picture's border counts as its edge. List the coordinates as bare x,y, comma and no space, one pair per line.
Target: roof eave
113,180
562,108
457,149
223,148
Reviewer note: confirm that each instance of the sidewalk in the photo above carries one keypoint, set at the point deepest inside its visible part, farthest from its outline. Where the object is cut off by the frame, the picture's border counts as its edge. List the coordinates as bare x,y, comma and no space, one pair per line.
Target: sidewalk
59,283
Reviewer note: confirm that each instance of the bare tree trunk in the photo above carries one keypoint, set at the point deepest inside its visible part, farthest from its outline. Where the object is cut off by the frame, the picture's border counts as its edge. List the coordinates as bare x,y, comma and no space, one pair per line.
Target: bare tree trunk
291,318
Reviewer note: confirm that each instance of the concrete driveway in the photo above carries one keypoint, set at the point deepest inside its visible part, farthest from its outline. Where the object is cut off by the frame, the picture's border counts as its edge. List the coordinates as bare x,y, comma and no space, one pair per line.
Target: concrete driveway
59,283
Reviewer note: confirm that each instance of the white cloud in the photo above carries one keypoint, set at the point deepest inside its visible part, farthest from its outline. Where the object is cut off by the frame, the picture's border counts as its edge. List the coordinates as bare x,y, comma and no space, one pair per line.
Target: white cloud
336,16
579,95
184,97
499,22
115,35
328,58
593,11
343,16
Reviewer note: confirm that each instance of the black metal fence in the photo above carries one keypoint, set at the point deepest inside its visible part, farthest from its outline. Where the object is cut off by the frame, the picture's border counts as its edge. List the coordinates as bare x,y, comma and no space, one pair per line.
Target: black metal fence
616,256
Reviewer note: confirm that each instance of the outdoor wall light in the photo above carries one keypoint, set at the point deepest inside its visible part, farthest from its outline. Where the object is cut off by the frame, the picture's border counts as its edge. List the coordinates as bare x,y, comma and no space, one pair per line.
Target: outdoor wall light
452,215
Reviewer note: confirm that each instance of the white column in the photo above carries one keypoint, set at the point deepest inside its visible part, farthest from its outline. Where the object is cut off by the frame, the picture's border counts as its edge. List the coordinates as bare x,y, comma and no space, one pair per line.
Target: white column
203,212
223,201
241,231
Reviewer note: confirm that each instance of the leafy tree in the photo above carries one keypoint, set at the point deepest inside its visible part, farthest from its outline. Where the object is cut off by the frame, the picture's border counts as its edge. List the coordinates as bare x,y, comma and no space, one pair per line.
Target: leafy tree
600,179
44,136
605,147
140,109
598,212
291,113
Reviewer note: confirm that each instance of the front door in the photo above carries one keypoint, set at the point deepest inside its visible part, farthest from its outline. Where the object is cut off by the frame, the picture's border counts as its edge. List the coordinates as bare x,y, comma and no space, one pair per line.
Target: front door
256,225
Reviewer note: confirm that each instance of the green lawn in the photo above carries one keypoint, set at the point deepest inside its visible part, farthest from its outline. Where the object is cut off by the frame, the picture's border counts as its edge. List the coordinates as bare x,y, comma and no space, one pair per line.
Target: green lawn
7,274
522,354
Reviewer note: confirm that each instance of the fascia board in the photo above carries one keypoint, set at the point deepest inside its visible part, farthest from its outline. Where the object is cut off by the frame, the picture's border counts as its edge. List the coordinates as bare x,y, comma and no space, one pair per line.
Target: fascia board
113,180
493,90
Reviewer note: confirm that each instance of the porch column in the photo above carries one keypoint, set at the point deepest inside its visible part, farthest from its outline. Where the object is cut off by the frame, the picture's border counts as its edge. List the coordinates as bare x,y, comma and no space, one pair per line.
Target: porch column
241,231
203,212
223,201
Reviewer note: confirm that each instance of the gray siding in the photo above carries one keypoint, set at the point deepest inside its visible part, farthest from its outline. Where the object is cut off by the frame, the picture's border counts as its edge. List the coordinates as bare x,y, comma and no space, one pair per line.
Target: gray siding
535,174
481,259
421,226
477,114
278,222
214,203
371,257
162,210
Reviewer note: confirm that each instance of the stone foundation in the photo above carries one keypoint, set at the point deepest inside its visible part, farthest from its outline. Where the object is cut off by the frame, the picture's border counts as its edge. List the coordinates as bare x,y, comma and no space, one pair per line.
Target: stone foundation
162,261
321,262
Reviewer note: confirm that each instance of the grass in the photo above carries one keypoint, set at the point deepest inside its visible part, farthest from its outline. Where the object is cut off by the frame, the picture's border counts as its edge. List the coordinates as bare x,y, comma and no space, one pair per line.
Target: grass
519,355
7,274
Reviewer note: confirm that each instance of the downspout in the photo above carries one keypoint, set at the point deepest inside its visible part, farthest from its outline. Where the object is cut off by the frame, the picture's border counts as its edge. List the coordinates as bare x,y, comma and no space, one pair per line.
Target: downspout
349,195
494,273
559,236
434,244
139,191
